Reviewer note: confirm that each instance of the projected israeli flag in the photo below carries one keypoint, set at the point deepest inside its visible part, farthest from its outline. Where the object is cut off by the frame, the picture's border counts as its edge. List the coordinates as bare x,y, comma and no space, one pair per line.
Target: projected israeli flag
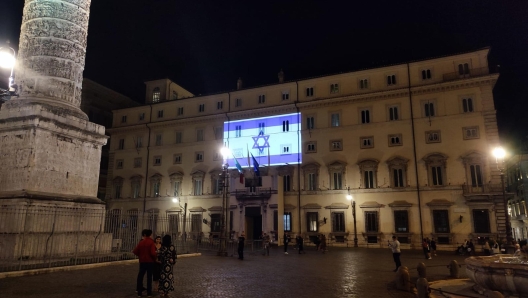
279,135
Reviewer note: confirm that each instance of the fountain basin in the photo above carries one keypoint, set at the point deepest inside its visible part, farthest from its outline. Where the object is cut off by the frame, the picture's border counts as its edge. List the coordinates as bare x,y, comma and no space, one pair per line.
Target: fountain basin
503,273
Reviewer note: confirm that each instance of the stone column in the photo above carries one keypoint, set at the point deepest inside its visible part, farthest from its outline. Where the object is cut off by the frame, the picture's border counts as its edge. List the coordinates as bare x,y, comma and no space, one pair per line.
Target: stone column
52,51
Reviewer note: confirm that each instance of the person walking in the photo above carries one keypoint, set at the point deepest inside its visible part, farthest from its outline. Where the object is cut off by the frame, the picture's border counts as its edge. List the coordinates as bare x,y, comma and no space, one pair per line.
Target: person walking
433,246
396,252
300,243
156,270
287,240
241,241
167,256
322,246
146,251
425,247
265,244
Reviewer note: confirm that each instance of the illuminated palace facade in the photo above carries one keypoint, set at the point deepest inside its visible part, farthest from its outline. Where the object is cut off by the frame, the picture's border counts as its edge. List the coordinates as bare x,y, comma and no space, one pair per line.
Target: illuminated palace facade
410,143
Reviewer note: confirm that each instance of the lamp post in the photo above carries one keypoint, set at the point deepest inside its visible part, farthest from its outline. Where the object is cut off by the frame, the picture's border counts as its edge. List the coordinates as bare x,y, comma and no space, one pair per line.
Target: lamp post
353,204
176,201
7,60
222,250
499,154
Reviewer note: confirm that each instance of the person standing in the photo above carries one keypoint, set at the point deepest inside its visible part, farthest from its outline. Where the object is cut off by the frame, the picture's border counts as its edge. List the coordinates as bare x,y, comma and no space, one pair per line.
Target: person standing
300,243
425,247
146,251
395,246
156,270
287,240
322,246
433,246
266,244
167,256
241,241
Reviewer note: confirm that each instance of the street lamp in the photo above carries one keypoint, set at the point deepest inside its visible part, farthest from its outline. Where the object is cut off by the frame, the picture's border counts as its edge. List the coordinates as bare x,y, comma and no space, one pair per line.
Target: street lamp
7,60
222,251
177,201
353,203
499,153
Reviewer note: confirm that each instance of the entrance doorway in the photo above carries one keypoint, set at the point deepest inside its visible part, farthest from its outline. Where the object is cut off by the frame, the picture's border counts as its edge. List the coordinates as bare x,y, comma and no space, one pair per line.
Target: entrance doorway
253,223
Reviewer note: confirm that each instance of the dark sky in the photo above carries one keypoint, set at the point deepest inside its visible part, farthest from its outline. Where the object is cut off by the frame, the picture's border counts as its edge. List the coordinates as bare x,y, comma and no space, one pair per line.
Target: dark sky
206,45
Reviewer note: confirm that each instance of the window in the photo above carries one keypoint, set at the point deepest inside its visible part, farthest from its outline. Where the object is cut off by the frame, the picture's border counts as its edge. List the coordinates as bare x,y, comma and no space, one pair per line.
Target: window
238,102
238,131
179,137
176,182
336,145
337,180
199,135
401,221
180,111
201,107
397,176
285,125
463,69
433,136
467,105
136,187
310,122
441,221
285,149
121,145
158,139
391,80
313,221
139,142
119,164
481,223
311,147
177,158
368,169
286,182
394,113
174,219
261,98
160,114
334,88
199,156
141,116
117,190
285,95
363,84
174,95
312,181
196,224
155,182
219,105
471,132
476,175
287,221
366,142
337,172
371,221
156,94
197,187
395,140
473,163
123,119
309,91
219,133
137,162
429,109
334,118
436,168
217,184
397,170
215,223
157,160
365,116
338,222
311,176
262,127
426,74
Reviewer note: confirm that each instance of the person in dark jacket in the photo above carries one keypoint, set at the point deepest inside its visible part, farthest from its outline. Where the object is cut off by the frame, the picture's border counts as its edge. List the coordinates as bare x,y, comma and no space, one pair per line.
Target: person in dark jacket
287,240
241,240
146,251
300,244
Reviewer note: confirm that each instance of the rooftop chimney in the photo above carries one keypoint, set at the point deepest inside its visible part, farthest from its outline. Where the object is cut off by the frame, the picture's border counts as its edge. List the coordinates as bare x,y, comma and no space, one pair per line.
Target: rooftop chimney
239,84
281,76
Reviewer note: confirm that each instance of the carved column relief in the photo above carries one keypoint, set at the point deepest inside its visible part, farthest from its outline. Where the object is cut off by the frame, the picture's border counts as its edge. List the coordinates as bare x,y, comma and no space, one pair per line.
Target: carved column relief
52,49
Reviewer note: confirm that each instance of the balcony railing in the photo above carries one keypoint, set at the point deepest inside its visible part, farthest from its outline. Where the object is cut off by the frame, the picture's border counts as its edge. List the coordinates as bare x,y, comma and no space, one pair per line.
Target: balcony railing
474,72
482,189
253,192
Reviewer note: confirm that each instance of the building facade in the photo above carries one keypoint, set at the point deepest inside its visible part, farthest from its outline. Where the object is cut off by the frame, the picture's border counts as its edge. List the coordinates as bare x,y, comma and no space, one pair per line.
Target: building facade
410,143
517,181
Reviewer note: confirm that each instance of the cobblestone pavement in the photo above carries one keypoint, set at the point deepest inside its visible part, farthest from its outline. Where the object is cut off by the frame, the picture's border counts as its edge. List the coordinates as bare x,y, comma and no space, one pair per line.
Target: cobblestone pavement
341,272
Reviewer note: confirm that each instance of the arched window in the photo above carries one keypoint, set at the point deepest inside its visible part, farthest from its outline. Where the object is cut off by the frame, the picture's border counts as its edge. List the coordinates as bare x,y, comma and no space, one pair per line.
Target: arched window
398,171
436,168
156,94
368,169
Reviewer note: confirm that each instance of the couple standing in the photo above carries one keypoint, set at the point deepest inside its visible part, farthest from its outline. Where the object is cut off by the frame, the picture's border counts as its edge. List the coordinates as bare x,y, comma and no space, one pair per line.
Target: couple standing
149,256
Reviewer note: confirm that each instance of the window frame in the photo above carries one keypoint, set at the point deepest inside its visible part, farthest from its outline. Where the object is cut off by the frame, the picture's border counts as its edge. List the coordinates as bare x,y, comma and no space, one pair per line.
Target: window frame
470,128
199,156
336,145
310,91
338,221
365,115
395,136
391,79
467,104
334,88
177,158
119,163
261,99
138,162
363,146
336,115
390,112
362,85
312,225
285,95
156,160
287,221
433,141
369,221
313,144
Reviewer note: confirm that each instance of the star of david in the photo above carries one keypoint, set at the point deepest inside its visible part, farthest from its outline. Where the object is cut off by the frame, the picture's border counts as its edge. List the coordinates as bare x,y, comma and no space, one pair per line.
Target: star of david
257,144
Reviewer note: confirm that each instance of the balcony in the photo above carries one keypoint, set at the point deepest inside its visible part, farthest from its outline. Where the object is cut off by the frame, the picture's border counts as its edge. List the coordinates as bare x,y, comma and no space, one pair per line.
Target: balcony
253,193
482,189
474,72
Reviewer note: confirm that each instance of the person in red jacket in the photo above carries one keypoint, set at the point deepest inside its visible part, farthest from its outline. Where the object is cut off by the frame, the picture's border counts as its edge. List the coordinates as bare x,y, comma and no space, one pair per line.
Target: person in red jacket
146,251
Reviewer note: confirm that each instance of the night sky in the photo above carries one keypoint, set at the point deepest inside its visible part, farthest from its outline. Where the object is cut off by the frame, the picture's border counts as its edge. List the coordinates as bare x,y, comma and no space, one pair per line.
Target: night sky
206,45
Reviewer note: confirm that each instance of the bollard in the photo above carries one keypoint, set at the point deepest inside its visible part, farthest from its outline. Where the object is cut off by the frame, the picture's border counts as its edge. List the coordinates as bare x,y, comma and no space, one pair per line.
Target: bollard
421,270
403,279
453,269
494,294
422,287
